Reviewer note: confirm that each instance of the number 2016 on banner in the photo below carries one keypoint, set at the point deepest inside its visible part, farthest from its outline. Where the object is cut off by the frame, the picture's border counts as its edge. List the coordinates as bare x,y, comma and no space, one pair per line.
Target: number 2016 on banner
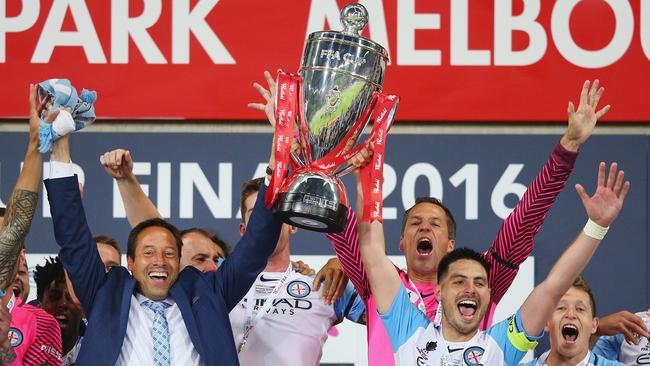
467,175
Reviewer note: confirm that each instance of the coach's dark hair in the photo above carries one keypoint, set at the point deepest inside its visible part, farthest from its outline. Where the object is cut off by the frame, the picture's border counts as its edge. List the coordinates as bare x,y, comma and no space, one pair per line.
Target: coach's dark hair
105,239
248,188
2,211
451,222
157,222
581,284
459,254
210,235
52,271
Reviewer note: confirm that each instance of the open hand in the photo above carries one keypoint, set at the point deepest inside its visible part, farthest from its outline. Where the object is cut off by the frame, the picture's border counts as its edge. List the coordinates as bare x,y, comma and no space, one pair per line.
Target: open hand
583,120
607,201
268,95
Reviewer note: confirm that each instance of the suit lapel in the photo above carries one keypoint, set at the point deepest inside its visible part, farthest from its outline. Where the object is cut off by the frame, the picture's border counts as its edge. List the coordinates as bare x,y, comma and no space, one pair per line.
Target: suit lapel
188,316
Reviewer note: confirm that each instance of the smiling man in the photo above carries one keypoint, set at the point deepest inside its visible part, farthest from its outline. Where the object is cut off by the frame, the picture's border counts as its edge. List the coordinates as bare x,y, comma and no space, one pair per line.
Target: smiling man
155,315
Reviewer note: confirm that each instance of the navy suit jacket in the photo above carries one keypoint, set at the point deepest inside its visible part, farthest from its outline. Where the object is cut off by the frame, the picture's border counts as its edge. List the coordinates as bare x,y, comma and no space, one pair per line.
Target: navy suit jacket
203,299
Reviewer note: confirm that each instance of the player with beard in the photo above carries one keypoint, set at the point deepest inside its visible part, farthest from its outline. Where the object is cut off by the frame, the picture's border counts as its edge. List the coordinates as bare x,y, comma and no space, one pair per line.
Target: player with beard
54,293
570,327
429,232
464,291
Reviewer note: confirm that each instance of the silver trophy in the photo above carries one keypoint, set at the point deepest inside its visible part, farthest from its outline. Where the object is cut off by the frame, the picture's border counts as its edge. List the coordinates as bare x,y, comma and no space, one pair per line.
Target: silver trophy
341,73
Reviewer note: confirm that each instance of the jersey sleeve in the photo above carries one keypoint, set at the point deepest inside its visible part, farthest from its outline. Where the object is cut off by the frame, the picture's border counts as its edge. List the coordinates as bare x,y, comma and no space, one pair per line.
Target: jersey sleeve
350,305
403,320
514,241
609,347
46,348
346,247
511,337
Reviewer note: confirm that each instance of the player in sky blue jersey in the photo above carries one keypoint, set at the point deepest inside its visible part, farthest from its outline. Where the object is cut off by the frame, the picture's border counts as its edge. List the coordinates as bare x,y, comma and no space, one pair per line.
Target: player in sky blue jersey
462,289
570,327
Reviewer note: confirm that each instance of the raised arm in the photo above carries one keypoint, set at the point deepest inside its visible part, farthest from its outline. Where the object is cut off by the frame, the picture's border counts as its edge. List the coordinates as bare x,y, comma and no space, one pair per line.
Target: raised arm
119,165
514,242
384,279
78,252
23,201
602,208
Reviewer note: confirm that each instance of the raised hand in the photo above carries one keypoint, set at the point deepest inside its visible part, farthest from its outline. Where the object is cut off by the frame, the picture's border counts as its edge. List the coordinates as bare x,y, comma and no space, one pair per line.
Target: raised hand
607,201
117,163
268,95
35,110
583,120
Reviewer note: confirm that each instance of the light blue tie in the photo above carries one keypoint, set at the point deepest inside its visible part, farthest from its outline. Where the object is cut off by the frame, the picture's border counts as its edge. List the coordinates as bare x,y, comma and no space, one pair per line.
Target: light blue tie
159,333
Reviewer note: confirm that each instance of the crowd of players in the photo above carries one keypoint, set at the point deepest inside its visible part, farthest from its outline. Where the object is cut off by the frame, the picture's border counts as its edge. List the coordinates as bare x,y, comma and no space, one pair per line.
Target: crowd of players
185,299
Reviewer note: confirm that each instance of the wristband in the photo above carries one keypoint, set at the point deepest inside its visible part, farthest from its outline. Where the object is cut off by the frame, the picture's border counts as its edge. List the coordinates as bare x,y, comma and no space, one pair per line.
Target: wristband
593,230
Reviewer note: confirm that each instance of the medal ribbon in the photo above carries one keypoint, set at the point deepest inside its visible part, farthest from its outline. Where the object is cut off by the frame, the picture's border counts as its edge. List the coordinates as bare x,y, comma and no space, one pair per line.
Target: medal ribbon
250,322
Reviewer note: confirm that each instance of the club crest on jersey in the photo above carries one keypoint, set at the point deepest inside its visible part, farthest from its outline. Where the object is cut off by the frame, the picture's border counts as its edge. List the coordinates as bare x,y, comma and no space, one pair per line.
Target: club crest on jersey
472,356
15,337
298,289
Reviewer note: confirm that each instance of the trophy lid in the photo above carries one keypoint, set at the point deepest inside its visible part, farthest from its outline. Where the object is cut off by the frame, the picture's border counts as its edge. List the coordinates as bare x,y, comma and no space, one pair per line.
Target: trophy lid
354,18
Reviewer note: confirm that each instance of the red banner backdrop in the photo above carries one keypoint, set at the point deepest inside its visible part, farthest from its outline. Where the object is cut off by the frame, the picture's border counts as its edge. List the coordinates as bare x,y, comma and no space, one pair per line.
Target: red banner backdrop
451,60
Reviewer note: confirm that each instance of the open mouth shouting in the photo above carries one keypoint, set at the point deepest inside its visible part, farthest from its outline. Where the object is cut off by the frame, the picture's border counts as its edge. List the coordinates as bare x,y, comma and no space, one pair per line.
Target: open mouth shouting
467,308
570,333
424,247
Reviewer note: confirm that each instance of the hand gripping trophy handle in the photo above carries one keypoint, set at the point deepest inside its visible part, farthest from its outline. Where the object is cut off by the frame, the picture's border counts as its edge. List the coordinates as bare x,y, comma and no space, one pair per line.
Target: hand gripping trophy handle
336,94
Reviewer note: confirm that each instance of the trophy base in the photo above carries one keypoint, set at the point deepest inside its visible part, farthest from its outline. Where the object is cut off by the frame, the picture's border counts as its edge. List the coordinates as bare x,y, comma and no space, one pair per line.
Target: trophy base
307,211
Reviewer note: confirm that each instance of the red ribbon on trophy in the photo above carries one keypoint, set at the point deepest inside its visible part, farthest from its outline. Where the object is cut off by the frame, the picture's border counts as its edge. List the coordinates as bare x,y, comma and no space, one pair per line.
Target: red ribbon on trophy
372,174
287,88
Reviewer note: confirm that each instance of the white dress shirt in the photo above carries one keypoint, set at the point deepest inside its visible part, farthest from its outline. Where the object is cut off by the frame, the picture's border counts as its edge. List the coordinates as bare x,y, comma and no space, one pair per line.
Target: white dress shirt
137,349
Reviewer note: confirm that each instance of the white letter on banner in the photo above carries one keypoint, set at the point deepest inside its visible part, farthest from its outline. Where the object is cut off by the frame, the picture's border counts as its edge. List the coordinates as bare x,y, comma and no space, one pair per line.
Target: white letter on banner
410,177
118,206
191,175
321,11
460,53
606,56
85,35
645,27
390,182
23,21
164,189
186,21
76,169
504,25
505,186
407,22
122,26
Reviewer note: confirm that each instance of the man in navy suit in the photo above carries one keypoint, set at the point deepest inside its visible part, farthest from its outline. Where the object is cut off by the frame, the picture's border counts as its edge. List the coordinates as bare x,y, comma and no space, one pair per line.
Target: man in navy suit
156,316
